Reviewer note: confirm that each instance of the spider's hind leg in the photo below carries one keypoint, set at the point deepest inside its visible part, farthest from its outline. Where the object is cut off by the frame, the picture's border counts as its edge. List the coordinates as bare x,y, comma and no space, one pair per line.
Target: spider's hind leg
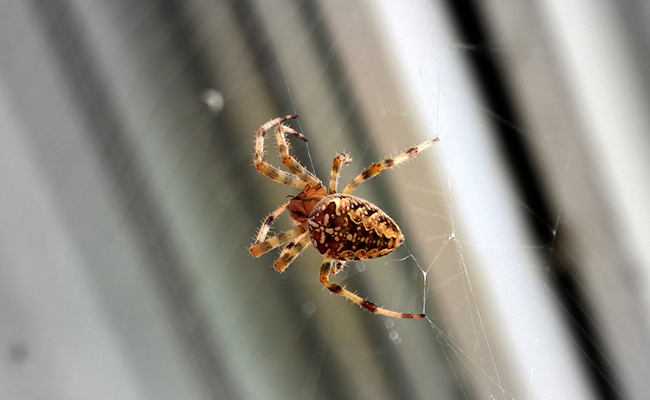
337,266
291,251
325,271
260,245
259,248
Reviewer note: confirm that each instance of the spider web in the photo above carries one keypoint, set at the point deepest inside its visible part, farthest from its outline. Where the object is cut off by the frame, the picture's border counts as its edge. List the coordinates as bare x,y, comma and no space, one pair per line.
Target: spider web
453,269
456,268
147,179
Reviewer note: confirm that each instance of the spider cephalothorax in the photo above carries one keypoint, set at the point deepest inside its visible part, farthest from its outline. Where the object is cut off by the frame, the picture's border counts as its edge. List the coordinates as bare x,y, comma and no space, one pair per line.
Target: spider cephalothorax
341,227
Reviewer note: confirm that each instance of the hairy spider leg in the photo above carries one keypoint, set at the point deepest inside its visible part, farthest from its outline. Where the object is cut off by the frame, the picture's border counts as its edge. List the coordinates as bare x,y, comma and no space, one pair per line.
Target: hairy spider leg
337,266
325,270
257,249
336,170
267,169
291,251
268,222
287,159
377,167
261,246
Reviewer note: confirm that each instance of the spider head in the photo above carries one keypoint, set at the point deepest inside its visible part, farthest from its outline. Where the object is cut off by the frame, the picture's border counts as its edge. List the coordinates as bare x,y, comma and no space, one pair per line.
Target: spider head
301,206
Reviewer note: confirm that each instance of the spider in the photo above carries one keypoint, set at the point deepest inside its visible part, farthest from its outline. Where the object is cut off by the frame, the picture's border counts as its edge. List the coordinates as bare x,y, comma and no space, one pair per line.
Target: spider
340,226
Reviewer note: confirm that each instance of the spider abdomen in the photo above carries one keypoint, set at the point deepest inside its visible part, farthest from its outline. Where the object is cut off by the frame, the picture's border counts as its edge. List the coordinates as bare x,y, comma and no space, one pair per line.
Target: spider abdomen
345,227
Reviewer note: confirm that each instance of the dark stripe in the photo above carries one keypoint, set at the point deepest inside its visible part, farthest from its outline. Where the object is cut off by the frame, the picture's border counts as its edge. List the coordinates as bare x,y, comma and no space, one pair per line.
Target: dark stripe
335,288
411,316
368,306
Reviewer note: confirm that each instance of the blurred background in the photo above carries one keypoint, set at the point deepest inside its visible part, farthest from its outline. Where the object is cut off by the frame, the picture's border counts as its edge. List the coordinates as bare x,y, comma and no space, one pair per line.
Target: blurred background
128,198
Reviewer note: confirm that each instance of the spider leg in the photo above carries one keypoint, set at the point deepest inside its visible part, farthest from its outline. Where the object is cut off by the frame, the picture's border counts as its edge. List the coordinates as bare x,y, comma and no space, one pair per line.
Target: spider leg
291,251
336,170
377,167
268,222
294,166
259,248
325,269
267,169
337,266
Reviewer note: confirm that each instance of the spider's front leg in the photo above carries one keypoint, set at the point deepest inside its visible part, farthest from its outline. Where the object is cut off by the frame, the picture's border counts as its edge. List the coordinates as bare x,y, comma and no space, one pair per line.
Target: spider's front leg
377,167
294,166
267,169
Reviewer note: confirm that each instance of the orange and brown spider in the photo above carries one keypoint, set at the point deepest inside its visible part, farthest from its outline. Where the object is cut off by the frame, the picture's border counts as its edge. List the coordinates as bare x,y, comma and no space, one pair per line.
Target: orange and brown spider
341,227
